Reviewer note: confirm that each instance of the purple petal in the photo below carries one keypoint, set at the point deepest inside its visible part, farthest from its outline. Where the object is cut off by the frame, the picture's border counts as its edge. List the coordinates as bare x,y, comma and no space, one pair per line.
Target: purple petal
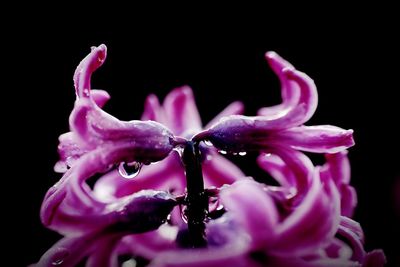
152,109
166,175
100,97
318,139
289,95
219,171
313,223
337,168
234,108
300,167
259,221
181,111
375,258
85,69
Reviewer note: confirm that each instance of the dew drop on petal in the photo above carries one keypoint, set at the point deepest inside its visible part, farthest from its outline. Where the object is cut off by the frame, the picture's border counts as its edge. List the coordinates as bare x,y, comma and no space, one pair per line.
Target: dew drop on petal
268,155
129,263
208,142
223,152
57,262
86,92
242,153
129,170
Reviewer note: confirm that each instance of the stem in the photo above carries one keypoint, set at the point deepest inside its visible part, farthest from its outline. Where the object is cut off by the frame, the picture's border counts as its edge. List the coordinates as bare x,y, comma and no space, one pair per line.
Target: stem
196,199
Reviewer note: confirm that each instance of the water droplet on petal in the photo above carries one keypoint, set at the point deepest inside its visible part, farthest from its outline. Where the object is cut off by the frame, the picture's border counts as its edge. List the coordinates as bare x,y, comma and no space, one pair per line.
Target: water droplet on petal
243,153
129,170
209,157
86,92
59,256
179,150
223,152
208,142
57,262
129,263
183,213
268,155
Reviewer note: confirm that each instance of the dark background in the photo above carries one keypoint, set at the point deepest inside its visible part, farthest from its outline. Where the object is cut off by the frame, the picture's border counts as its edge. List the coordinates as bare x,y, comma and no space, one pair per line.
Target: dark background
350,54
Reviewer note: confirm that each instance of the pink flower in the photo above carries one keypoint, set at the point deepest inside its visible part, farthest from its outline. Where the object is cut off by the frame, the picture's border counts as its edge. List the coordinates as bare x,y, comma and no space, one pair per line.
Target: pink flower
193,207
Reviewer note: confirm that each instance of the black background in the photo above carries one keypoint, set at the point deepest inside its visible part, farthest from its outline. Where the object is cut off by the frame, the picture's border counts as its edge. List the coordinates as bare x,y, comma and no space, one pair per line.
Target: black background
350,54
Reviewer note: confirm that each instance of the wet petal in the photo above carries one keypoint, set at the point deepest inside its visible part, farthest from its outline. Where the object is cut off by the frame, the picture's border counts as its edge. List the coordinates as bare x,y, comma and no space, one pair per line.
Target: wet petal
181,111
86,67
167,175
318,139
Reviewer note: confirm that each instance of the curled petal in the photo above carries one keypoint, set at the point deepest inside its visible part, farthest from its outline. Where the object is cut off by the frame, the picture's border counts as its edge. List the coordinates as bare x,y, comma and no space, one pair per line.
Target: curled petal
259,221
144,140
318,139
100,97
238,133
289,92
181,110
86,67
337,168
313,223
295,164
375,258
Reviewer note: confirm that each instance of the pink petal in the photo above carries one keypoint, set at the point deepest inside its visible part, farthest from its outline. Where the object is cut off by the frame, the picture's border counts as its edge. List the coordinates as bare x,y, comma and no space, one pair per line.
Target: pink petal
375,258
234,108
318,139
288,92
152,109
100,97
181,111
85,69
313,223
259,220
299,165
219,171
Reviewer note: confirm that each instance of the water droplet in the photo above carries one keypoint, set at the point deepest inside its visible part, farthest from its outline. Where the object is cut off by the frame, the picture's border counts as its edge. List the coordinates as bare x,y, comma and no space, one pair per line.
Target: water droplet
209,157
179,150
129,263
183,213
268,155
57,262
129,170
86,92
243,153
208,142
223,152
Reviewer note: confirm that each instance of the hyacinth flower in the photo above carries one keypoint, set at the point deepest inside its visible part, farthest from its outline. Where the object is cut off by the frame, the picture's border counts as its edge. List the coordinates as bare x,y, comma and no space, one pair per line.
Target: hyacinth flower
195,208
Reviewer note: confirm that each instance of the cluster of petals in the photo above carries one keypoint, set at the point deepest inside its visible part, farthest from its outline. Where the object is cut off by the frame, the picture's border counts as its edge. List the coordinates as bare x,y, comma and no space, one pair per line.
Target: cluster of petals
109,220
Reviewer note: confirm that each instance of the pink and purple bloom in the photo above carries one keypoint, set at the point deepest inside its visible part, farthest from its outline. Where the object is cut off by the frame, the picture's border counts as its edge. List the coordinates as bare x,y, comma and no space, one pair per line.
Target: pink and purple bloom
163,194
